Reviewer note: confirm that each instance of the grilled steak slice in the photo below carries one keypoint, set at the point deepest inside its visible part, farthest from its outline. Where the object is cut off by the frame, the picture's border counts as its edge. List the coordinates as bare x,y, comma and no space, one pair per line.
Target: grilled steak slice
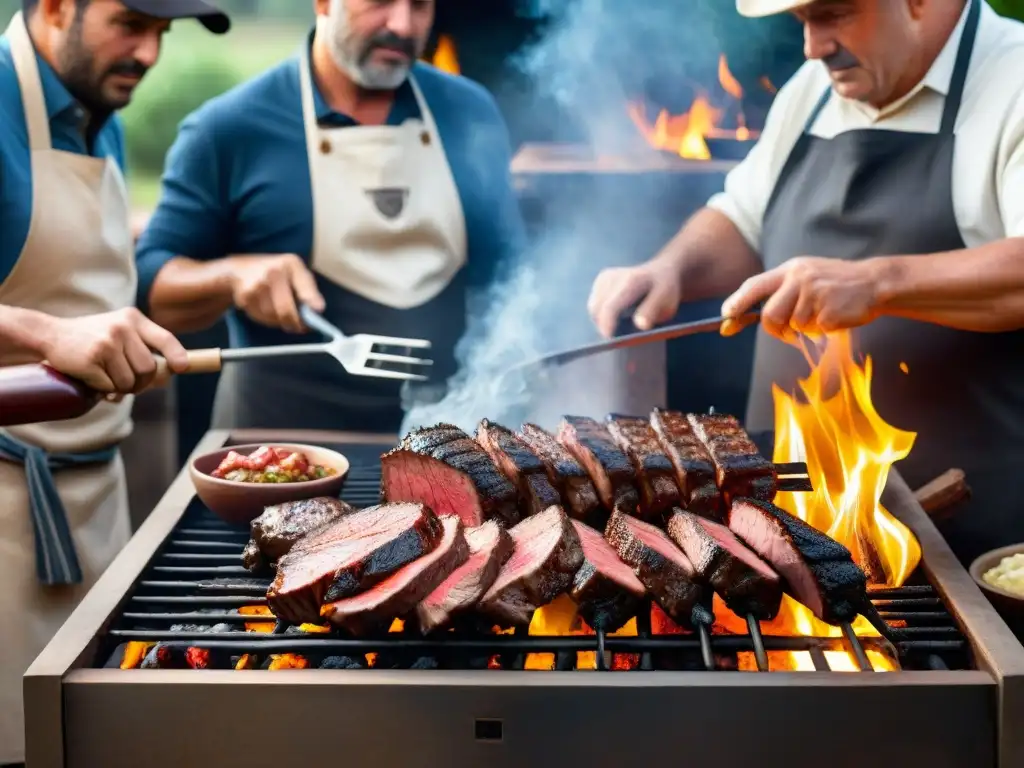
740,469
654,473
349,555
566,474
605,589
400,592
546,557
275,532
662,568
745,582
490,547
695,471
447,470
609,468
520,465
817,570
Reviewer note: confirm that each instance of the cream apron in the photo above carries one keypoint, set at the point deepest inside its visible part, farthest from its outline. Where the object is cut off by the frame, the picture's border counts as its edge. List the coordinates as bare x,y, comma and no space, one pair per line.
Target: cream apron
389,245
77,260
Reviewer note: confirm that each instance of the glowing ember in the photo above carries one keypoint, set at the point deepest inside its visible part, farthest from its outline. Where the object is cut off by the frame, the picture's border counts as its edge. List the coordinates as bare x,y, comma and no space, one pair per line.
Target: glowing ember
396,626
257,610
445,58
134,653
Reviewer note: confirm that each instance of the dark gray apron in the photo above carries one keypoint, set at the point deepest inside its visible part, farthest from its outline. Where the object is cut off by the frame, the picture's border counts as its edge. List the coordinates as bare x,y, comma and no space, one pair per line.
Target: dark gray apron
871,193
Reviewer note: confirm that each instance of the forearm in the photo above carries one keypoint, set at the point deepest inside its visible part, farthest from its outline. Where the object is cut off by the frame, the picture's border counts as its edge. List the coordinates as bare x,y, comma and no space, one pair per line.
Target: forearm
24,331
189,295
976,289
711,255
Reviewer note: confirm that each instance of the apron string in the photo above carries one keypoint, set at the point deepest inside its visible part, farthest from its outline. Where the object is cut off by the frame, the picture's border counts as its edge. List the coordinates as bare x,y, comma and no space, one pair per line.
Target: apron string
33,99
963,63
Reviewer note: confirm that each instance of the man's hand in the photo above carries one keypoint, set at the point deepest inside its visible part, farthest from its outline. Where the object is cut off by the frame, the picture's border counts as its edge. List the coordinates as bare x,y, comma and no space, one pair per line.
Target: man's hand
112,352
810,295
615,290
269,289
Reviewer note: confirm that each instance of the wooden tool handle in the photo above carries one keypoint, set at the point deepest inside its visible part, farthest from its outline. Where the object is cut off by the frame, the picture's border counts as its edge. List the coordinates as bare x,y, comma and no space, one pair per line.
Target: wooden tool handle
939,496
199,361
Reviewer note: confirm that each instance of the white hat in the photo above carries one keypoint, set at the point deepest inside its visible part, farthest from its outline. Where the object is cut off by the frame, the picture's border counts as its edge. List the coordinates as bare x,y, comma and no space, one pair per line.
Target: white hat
768,7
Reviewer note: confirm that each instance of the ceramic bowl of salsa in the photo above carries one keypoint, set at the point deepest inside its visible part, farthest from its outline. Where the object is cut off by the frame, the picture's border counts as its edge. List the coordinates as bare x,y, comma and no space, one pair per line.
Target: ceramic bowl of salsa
237,482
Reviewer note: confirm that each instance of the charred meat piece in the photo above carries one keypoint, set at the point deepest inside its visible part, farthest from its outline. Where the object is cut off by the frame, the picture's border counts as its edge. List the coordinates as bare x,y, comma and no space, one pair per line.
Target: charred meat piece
694,468
349,555
490,547
605,589
400,592
520,465
740,469
566,474
818,571
746,583
275,532
447,470
662,568
545,559
610,469
654,473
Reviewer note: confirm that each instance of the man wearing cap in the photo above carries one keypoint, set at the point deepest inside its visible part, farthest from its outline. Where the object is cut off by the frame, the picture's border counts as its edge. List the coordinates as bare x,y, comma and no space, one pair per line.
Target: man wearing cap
886,194
352,178
66,251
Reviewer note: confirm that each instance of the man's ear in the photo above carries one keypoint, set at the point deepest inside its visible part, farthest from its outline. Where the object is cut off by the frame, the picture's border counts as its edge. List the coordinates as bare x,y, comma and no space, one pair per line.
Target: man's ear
58,13
918,8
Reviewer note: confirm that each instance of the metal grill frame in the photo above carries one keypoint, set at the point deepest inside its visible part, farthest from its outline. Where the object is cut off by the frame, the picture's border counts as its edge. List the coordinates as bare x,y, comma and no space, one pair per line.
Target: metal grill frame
80,716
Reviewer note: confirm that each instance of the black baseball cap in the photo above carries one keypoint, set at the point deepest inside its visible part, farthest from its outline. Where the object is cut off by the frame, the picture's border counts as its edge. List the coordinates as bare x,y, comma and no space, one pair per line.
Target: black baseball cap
206,13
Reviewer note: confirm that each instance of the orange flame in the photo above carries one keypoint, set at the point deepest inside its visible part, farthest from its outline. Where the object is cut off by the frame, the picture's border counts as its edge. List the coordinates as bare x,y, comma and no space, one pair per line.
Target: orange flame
445,57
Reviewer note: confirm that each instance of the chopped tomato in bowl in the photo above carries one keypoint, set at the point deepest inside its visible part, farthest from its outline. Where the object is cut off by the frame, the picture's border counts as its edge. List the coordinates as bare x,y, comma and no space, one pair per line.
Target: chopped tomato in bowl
270,465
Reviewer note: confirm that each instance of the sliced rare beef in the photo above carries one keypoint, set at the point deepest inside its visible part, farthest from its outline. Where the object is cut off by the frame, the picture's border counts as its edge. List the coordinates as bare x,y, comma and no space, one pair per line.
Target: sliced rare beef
740,469
490,547
402,591
566,474
747,584
695,471
349,555
545,559
610,469
520,465
818,571
662,568
605,589
275,532
654,473
447,470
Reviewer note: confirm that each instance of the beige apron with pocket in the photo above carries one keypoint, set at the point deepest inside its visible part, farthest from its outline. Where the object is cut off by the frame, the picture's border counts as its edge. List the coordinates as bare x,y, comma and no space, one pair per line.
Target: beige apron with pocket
78,260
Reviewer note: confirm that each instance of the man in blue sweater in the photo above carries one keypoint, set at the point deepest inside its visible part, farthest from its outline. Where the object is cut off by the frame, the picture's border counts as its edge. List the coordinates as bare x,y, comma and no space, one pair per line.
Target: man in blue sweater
351,178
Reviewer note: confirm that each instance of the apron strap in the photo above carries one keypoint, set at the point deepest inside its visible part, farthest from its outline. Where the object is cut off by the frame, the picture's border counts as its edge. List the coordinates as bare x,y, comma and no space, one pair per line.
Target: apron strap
33,100
56,559
963,62
817,109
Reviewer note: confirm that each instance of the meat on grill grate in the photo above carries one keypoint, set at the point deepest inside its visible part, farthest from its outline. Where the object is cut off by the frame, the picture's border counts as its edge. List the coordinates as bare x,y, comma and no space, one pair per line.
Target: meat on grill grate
446,469
740,468
565,473
746,583
350,555
400,592
490,547
275,532
654,474
520,465
605,590
662,568
546,557
695,471
818,571
592,445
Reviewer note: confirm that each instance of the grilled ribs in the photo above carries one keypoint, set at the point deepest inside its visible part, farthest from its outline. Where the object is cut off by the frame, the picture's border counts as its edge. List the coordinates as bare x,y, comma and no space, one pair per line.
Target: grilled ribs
605,589
694,468
348,556
275,532
740,469
520,465
654,473
744,581
566,474
545,559
817,570
592,445
444,468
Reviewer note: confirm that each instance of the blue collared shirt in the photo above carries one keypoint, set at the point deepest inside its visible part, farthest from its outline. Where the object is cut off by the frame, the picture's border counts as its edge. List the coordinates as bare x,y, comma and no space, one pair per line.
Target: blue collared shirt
67,130
237,179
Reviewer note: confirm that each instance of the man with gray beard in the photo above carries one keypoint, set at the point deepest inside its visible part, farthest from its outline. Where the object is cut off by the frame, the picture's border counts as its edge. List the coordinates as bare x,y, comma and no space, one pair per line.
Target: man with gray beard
352,178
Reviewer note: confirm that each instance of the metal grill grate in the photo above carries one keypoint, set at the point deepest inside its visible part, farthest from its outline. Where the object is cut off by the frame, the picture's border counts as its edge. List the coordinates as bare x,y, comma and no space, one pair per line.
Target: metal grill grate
190,595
